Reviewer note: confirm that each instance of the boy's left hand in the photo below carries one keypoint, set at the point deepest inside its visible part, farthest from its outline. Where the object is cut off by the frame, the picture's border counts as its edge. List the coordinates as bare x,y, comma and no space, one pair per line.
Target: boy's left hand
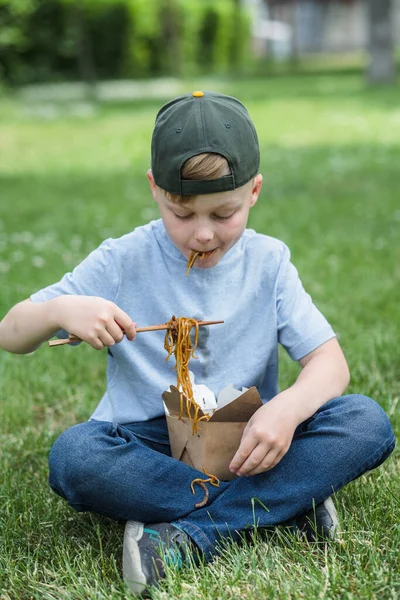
266,439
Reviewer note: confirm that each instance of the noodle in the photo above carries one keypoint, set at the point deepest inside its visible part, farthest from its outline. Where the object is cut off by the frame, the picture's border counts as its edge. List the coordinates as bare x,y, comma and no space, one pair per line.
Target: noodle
192,259
212,480
178,342
195,254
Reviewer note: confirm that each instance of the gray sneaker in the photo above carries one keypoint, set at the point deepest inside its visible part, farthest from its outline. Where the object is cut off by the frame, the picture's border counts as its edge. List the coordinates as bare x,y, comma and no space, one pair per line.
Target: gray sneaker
319,523
147,549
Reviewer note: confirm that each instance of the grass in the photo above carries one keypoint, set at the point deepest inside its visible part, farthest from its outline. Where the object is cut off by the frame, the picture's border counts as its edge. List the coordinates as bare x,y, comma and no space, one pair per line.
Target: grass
73,174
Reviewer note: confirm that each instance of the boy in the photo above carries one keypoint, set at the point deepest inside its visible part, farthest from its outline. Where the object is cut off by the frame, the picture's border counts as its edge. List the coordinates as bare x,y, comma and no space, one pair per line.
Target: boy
301,445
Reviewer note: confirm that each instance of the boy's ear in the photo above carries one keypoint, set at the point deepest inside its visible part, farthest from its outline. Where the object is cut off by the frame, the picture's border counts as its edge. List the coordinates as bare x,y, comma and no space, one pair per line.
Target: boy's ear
256,188
153,186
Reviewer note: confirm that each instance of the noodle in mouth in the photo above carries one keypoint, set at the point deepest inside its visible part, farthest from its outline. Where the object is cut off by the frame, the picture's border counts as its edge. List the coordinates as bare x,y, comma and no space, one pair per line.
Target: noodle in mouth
194,255
192,259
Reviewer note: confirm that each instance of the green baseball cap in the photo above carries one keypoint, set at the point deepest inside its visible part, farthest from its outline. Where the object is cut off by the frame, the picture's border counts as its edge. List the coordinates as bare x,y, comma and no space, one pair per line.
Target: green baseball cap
197,123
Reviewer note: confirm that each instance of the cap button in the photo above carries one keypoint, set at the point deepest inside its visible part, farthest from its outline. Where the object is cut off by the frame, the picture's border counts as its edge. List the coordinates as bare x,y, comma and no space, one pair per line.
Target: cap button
198,94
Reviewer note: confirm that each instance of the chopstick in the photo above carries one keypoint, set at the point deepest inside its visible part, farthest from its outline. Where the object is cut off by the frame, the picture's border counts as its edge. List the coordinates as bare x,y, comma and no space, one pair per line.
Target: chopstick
73,339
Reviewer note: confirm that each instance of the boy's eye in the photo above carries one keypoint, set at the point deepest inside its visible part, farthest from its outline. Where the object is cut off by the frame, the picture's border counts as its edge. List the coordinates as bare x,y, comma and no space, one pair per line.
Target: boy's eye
223,217
182,216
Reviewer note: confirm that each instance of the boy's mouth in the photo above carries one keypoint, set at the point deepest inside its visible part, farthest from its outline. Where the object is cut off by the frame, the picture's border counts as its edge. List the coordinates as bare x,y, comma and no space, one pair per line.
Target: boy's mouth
210,253
202,255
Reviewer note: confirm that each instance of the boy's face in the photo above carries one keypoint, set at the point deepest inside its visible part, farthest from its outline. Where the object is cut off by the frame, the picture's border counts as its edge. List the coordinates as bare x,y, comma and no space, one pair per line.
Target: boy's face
209,223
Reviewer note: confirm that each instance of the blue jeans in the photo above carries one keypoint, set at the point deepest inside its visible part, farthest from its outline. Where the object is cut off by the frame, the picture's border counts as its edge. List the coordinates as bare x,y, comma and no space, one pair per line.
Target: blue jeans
126,472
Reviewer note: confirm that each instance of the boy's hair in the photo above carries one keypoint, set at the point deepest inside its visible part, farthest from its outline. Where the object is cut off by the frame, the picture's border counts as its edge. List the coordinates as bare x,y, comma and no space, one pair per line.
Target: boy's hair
202,167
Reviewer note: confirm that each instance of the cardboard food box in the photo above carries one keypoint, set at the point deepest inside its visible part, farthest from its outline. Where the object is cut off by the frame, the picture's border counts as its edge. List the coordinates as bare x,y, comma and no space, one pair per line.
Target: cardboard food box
216,441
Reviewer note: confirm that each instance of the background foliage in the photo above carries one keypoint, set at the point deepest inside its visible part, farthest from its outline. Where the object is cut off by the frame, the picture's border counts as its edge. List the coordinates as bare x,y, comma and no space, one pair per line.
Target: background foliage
50,40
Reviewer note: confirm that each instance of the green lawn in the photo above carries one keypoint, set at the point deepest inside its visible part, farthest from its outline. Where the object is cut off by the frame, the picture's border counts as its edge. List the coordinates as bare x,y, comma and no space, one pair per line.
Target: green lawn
71,175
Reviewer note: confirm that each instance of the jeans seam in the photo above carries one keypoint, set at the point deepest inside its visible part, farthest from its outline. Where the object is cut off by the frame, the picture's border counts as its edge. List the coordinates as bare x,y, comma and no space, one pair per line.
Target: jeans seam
198,532
87,507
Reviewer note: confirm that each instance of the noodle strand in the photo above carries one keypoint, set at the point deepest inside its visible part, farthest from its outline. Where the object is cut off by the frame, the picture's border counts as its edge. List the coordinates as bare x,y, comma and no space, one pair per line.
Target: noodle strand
212,480
192,259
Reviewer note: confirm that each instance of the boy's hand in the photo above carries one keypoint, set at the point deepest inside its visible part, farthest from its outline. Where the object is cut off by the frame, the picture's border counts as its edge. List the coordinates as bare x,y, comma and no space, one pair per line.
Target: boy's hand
94,320
269,433
265,440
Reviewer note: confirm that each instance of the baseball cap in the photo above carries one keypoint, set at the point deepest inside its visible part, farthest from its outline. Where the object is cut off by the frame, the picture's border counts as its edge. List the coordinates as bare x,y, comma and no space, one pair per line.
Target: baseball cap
197,123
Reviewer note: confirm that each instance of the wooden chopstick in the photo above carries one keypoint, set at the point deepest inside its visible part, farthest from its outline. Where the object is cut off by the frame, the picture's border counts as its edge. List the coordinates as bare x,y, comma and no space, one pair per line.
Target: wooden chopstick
73,339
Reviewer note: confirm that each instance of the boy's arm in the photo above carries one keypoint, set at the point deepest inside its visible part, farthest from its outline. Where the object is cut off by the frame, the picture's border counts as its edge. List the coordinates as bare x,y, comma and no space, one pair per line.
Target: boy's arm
268,434
95,320
27,325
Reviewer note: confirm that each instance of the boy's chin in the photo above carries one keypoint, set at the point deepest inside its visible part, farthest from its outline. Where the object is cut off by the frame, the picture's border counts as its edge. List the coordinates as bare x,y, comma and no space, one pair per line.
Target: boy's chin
206,263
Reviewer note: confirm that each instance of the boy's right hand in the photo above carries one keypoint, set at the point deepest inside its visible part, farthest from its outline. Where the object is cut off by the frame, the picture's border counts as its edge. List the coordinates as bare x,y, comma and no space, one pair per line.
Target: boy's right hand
94,320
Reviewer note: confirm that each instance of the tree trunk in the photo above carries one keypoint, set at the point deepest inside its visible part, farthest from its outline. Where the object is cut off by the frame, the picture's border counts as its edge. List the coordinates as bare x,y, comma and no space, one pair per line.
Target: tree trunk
86,65
381,68
171,27
234,50
294,43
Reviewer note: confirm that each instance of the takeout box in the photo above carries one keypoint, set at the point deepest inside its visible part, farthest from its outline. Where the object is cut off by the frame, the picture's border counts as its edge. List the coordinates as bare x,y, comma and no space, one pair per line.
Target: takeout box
216,441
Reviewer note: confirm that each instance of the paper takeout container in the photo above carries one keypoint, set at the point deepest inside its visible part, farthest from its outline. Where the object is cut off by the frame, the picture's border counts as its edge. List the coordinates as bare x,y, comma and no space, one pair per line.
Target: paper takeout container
216,441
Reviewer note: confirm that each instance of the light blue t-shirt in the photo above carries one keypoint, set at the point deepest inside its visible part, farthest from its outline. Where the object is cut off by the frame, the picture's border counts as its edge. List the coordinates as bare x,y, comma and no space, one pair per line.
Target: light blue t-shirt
254,289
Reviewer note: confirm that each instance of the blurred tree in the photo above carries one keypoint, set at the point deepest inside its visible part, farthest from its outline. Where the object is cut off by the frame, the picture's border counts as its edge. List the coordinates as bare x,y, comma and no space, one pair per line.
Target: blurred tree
171,31
14,34
381,68
54,40
237,25
87,69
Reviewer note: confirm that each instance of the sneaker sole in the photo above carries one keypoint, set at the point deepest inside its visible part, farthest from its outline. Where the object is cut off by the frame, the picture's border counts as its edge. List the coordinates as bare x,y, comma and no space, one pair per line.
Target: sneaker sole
133,575
330,507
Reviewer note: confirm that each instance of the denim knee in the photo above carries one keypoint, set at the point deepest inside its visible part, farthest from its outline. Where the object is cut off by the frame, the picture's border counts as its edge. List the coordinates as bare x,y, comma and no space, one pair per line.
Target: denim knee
370,425
68,457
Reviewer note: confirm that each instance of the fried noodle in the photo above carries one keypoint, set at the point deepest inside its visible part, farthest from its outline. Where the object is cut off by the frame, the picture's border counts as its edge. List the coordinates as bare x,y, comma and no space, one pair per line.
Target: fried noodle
178,342
192,259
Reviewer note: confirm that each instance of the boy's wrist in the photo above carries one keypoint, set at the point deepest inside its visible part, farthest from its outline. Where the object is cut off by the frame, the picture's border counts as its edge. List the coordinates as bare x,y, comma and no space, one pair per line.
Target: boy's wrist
295,406
53,309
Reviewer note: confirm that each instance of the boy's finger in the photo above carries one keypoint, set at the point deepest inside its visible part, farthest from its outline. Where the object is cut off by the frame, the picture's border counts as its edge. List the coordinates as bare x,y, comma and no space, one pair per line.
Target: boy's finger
106,339
253,461
246,447
131,331
115,331
270,460
125,323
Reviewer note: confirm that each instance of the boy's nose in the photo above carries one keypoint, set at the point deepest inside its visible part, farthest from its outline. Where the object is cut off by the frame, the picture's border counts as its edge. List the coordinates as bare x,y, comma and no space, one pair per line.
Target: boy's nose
204,234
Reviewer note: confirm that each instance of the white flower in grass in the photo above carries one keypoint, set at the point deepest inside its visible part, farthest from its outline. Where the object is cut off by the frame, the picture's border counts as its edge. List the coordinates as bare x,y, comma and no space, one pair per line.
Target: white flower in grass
380,243
17,256
68,258
38,261
46,240
23,237
76,243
